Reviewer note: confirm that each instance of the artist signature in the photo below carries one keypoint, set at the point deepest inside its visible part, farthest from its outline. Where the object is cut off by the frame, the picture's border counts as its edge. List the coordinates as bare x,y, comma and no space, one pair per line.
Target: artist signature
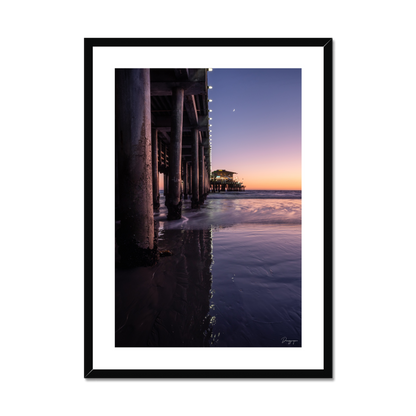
289,341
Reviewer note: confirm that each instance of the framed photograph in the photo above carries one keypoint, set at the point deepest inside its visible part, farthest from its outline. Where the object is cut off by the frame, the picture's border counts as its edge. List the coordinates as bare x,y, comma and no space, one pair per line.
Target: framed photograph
208,208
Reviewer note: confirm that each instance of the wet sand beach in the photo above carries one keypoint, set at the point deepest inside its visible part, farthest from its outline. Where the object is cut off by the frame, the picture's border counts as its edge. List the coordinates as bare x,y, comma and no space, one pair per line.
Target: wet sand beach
167,304
233,279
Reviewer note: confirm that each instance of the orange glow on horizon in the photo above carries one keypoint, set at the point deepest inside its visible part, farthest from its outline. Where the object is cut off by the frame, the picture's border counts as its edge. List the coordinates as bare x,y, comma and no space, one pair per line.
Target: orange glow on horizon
273,184
273,174
260,183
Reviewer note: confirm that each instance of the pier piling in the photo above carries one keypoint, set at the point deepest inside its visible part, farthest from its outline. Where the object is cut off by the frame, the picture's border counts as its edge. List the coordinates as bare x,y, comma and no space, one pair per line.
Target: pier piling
162,127
190,179
201,174
135,237
155,171
175,172
195,169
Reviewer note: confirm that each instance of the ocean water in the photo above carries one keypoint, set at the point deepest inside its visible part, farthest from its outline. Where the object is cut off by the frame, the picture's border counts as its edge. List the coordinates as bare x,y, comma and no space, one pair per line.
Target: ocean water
246,260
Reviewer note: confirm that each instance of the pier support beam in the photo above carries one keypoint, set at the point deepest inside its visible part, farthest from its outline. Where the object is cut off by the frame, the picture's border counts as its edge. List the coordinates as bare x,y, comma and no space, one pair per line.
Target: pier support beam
155,170
175,157
195,169
166,187
190,179
185,180
201,174
207,183
135,237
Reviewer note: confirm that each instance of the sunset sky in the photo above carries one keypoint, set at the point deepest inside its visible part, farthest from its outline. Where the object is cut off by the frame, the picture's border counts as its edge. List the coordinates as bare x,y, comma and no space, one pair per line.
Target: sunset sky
256,126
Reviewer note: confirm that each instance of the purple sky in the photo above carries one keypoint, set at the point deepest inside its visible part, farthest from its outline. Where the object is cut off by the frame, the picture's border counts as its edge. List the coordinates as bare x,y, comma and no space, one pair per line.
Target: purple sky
256,125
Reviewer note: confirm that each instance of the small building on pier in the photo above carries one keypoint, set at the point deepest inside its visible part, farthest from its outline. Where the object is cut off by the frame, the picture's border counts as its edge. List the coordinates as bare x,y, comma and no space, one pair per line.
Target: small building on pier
223,174
223,180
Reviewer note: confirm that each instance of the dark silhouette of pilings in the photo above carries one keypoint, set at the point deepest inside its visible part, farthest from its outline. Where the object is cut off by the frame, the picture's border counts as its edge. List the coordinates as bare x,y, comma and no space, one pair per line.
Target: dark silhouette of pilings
135,236
175,158
153,135
226,186
155,170
195,169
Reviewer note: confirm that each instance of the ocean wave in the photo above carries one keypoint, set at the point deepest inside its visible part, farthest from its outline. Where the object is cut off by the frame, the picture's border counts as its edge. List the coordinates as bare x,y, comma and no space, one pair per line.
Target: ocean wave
257,195
252,195
226,212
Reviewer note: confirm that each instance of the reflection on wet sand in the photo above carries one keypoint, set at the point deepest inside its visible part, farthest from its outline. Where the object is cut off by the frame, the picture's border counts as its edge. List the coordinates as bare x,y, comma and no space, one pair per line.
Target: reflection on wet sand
233,279
167,305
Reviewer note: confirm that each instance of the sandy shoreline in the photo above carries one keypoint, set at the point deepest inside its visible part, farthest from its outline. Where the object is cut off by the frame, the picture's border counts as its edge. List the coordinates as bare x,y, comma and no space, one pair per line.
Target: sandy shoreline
167,304
234,279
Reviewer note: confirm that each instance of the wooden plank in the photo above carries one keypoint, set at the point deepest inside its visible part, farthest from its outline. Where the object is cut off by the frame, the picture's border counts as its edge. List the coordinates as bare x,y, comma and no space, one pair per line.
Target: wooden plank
198,75
163,124
165,88
190,108
182,74
166,136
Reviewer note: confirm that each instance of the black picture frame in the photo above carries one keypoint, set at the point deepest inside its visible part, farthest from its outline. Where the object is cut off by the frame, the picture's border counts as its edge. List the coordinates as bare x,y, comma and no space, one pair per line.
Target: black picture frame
327,45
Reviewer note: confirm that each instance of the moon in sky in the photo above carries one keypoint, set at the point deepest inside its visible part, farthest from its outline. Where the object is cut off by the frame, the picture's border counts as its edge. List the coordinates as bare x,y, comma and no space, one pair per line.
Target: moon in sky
234,109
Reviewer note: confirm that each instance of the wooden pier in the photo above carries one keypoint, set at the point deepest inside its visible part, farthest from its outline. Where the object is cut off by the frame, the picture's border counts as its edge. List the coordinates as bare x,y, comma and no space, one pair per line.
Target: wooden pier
162,126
